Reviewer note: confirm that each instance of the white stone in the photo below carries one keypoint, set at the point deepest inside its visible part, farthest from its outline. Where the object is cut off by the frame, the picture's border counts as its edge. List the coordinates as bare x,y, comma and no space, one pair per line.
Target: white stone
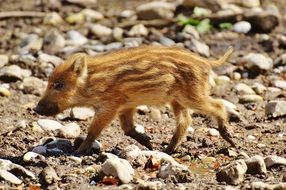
273,89
133,153
8,166
127,13
191,30
249,98
250,3
233,173
264,186
49,125
118,33
138,30
256,61
166,169
280,84
274,160
55,39
75,38
33,85
118,167
76,18
191,130
92,15
101,30
201,47
222,79
46,58
242,88
256,165
242,27
76,159
4,92
213,132
251,137
53,18
151,185
15,72
258,185
259,88
275,108
30,156
236,76
71,130
81,113
4,59
10,177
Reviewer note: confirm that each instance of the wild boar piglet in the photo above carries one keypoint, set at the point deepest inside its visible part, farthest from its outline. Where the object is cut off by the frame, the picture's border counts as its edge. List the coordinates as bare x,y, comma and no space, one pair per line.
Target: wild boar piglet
116,83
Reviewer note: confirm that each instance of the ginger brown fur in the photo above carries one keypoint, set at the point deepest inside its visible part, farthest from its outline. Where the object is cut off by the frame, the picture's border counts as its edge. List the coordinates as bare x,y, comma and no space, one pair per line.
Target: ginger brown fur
116,83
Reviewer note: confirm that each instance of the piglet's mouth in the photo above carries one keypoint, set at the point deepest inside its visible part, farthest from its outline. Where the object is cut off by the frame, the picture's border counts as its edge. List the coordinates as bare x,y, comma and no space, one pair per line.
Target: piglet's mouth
47,109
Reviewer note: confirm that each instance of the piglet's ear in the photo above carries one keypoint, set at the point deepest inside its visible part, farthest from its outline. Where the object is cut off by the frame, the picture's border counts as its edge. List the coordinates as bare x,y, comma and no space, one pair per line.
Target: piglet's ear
79,65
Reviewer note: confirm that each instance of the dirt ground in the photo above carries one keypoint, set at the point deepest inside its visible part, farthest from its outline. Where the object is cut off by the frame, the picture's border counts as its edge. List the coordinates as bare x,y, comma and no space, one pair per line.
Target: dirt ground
14,142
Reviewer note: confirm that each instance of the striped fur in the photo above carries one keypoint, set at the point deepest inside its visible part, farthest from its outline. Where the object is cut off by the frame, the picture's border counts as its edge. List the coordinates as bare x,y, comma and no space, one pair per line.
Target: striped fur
115,83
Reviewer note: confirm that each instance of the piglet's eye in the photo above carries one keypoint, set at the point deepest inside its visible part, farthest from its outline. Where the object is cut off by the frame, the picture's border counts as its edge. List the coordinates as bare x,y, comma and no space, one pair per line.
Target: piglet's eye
58,85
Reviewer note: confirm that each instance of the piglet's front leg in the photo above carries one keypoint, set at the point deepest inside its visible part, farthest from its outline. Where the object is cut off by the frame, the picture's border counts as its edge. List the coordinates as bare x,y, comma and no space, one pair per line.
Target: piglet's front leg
101,119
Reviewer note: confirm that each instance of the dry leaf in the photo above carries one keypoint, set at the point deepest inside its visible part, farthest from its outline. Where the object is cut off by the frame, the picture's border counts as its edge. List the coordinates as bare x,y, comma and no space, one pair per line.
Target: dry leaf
34,187
109,180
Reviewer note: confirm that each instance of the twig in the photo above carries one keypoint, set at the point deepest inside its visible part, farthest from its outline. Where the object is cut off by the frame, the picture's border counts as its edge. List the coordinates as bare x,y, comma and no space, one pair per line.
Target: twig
10,14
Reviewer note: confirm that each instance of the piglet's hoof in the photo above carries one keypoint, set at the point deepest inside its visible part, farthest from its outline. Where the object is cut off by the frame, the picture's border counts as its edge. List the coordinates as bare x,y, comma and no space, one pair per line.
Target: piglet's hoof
142,138
227,134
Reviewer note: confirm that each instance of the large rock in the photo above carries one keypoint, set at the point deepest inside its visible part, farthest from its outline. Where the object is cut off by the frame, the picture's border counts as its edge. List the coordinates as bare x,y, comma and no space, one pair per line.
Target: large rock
81,113
49,175
32,42
138,30
33,85
257,62
54,41
71,130
242,88
118,167
46,58
275,108
280,84
256,165
49,125
134,154
7,168
155,10
13,73
233,173
7,176
273,160
174,172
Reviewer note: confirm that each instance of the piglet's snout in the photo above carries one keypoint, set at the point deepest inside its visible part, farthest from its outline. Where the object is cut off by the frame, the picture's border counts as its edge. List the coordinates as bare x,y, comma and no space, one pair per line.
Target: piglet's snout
47,109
